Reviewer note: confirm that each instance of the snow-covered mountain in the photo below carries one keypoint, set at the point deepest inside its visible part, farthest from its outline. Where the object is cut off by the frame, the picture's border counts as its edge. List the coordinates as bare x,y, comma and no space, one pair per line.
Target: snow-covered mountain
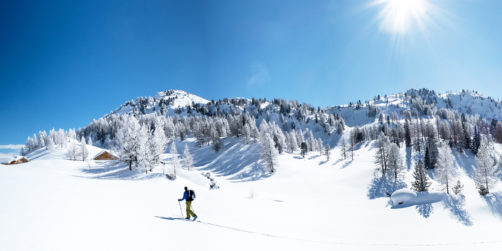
421,102
327,188
161,103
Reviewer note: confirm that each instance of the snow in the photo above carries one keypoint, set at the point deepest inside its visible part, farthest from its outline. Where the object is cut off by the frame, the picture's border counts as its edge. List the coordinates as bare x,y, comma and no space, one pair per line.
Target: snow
469,102
52,203
6,157
402,196
182,98
174,98
405,198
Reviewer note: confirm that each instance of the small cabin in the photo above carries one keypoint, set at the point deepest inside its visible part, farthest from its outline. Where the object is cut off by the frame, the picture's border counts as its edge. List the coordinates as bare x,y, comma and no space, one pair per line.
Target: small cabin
105,155
17,160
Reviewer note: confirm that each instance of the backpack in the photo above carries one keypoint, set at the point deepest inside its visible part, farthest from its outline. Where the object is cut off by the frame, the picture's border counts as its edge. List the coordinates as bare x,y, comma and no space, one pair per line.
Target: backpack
191,195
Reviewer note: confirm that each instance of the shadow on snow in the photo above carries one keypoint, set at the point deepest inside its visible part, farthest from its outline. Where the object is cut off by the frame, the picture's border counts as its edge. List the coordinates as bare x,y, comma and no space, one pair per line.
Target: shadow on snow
239,162
383,186
456,205
494,201
115,170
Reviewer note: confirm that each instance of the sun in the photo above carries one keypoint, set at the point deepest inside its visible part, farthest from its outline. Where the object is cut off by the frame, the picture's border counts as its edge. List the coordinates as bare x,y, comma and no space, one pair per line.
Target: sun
399,16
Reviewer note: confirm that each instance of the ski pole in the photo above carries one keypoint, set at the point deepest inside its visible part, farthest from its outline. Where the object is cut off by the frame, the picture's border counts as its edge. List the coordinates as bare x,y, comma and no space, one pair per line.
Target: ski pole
181,211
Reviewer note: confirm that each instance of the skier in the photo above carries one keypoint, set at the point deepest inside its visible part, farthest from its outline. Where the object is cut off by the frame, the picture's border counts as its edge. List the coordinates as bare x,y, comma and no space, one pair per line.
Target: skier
189,195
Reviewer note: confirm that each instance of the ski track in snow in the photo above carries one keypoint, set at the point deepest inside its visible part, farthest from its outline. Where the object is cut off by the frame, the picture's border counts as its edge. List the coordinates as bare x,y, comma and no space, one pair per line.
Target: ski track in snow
445,244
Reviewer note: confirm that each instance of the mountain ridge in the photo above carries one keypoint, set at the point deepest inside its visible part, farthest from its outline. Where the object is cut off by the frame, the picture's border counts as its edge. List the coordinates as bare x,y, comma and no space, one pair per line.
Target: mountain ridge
423,101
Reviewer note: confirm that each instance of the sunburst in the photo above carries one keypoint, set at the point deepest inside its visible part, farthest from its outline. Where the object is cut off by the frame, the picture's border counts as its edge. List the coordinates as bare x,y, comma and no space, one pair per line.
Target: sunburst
400,16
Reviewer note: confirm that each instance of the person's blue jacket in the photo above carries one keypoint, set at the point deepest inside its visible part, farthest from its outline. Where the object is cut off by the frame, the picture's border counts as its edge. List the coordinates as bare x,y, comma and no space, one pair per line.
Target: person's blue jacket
185,196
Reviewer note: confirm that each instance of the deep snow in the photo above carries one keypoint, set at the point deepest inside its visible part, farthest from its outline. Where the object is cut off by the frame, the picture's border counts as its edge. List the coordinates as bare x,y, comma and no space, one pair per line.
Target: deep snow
52,203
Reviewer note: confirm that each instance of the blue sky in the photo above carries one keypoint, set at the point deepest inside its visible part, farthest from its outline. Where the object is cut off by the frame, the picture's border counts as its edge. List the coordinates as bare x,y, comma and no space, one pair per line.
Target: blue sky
63,63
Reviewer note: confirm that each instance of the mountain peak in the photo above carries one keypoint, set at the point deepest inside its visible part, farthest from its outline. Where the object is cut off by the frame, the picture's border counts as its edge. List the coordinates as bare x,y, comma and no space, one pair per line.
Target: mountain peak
180,98
162,101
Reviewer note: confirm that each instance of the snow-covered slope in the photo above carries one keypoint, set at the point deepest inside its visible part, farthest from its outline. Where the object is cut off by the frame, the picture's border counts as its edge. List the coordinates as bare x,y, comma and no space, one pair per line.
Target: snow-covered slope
52,203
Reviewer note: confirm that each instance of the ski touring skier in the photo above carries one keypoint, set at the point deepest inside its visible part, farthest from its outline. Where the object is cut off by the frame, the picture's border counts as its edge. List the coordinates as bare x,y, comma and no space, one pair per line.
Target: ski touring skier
189,196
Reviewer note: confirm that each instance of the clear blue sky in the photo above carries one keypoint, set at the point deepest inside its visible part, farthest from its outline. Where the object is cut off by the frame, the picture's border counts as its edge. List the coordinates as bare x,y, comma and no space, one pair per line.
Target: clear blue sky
63,63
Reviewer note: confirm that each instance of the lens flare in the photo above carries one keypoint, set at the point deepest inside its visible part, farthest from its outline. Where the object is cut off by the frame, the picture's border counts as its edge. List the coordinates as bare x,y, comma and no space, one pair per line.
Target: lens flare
399,16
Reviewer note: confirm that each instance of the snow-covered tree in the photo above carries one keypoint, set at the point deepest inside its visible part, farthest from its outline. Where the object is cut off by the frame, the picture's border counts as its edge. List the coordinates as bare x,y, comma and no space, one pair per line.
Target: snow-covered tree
457,189
72,135
246,132
128,142
444,169
42,137
326,152
484,175
89,141
395,162
50,144
311,142
175,161
344,149
268,152
187,158
421,181
147,150
83,149
61,138
381,155
157,143
319,147
53,136
279,139
72,151
293,145
300,138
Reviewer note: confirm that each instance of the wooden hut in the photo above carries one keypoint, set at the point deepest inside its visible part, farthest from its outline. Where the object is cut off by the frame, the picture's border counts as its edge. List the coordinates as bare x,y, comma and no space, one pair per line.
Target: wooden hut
17,160
105,155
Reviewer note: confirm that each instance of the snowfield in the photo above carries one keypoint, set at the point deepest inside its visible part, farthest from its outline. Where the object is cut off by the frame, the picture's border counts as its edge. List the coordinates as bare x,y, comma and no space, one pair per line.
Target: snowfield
52,203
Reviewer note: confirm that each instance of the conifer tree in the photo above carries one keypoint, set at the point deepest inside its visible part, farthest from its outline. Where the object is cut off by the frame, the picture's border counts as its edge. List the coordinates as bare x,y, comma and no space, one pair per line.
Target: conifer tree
326,152
344,149
427,158
421,181
407,133
476,142
457,189
304,149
